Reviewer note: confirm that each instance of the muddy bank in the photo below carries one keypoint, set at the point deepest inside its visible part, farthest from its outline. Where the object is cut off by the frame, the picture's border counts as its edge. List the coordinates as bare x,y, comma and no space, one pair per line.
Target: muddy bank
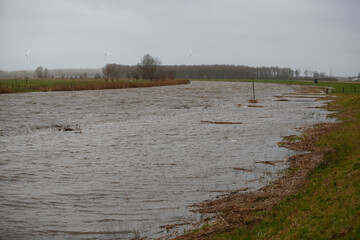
238,208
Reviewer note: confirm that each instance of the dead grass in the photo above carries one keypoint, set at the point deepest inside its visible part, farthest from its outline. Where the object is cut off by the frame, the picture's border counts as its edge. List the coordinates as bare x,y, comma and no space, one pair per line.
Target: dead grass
308,89
253,101
6,90
266,162
115,85
212,122
255,106
242,169
238,210
304,96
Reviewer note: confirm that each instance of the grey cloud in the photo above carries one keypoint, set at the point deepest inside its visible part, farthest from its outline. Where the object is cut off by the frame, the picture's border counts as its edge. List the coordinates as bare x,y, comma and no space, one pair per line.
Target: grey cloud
302,34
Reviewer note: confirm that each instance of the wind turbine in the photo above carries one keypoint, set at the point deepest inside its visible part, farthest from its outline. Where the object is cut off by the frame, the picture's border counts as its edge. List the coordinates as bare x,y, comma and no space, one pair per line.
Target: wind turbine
190,55
26,61
105,56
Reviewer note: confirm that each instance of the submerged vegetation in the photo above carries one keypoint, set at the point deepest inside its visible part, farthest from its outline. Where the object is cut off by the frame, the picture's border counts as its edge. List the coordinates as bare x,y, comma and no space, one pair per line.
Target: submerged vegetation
333,86
326,203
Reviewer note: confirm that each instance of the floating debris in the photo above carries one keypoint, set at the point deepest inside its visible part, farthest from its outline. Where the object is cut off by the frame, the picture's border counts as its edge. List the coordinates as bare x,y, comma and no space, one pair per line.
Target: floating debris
253,101
266,162
242,169
255,106
68,128
182,107
214,122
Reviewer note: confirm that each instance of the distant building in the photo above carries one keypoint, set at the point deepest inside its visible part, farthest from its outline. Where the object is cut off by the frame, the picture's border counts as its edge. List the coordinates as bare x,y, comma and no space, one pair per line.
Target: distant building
355,80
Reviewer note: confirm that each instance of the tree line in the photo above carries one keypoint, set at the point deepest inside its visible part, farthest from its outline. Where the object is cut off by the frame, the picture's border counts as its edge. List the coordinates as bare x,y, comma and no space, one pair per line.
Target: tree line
151,68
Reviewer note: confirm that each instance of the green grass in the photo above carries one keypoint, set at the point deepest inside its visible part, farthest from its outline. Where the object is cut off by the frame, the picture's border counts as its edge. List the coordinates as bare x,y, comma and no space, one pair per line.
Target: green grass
328,205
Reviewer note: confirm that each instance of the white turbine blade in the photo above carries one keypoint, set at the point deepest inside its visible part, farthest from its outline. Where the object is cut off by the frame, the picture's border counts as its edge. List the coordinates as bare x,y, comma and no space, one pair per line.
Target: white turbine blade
190,52
28,52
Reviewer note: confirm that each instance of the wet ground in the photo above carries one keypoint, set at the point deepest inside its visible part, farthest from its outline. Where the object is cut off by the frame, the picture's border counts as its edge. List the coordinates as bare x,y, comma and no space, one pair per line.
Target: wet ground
118,163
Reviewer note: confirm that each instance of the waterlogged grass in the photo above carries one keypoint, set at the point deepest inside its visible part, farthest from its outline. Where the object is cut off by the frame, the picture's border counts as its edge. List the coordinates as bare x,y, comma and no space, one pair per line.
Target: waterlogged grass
328,205
336,87
36,85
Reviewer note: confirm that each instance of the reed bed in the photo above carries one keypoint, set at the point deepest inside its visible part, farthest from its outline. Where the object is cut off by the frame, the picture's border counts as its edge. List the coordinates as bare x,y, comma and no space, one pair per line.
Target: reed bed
117,85
45,85
6,90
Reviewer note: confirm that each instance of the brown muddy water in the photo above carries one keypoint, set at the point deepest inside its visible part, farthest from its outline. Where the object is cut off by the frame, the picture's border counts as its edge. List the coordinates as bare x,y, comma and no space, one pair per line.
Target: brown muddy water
118,163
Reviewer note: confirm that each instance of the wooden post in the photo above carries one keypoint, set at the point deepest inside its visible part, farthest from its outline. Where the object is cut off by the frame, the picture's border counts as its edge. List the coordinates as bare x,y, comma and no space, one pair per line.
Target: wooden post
253,87
343,90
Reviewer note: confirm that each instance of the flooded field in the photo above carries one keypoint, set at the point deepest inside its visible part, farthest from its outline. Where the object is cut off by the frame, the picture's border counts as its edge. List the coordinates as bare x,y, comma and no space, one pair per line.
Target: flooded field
119,163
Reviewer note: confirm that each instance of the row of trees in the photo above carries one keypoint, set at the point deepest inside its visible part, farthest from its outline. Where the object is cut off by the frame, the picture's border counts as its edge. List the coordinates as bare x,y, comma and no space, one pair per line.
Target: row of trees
151,68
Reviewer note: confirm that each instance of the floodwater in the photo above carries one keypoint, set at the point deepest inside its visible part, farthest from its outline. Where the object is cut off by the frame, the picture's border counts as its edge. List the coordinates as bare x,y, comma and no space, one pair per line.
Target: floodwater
122,163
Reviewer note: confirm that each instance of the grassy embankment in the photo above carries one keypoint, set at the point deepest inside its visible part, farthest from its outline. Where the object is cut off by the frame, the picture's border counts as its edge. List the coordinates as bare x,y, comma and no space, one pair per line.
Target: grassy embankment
327,205
44,85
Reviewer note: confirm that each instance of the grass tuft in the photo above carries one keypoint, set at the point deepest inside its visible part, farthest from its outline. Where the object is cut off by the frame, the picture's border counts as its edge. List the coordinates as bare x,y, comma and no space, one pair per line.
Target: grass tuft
253,101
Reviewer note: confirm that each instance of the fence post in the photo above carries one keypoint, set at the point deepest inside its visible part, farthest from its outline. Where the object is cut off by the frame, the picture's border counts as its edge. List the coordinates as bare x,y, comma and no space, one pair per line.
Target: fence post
343,90
253,87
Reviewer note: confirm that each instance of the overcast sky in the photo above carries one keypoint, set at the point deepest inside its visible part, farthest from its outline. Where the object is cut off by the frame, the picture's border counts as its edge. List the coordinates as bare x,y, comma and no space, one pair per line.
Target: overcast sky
306,34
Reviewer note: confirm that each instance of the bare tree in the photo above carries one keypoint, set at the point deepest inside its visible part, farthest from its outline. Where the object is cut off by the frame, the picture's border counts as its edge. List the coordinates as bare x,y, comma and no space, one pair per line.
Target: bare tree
316,74
111,71
97,76
297,73
149,67
39,72
171,74
46,73
306,73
